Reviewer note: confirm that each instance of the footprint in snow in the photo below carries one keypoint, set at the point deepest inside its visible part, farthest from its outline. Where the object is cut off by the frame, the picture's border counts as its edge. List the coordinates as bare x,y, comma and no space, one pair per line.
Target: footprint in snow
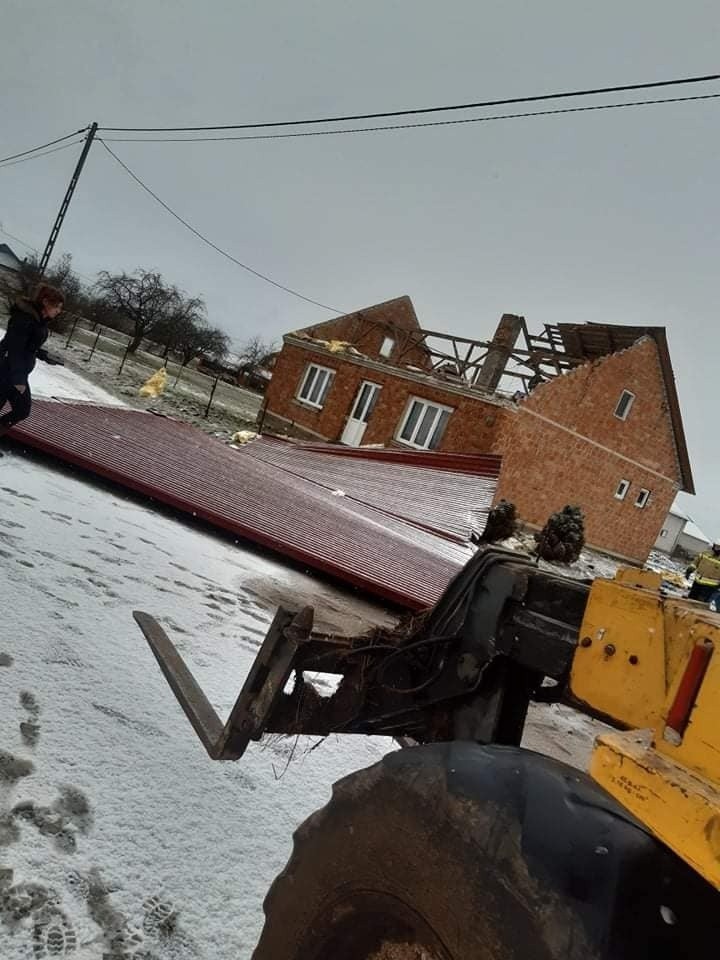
69,815
11,525
58,517
20,496
30,728
53,934
14,768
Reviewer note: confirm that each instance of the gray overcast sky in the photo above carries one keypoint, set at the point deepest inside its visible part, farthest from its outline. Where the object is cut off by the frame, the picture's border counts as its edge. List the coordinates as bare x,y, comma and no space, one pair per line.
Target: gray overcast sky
607,217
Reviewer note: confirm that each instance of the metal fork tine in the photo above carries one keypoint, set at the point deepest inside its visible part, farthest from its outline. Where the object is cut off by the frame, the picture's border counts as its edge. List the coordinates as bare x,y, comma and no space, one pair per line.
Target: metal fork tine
197,707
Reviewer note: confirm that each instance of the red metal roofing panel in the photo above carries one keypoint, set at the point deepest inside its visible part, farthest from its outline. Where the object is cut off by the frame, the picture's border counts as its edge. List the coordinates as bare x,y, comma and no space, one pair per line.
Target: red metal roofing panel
179,465
429,494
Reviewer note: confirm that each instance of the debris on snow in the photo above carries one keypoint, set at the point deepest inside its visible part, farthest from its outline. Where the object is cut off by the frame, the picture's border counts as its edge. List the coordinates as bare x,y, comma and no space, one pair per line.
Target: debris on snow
154,385
241,437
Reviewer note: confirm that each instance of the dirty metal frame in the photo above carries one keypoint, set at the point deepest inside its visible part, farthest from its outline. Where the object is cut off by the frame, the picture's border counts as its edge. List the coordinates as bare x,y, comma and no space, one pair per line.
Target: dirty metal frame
466,669
541,351
467,357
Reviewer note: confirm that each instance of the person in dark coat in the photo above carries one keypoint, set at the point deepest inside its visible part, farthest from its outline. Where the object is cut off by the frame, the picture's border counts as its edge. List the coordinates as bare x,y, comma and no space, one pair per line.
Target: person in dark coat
21,347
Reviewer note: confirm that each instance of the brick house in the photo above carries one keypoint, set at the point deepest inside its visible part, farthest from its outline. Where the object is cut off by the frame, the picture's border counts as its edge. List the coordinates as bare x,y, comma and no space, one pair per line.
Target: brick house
597,421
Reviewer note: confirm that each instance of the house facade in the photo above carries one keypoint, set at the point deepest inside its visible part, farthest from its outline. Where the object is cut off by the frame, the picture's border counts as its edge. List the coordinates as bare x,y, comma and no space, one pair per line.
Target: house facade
605,434
670,531
10,266
692,541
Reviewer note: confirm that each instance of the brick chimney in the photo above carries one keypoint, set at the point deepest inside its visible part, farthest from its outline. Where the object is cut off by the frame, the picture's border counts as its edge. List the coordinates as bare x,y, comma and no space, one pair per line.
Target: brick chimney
501,346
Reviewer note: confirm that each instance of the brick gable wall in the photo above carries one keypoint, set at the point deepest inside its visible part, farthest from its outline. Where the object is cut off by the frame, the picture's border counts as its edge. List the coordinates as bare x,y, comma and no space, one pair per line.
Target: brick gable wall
562,443
366,329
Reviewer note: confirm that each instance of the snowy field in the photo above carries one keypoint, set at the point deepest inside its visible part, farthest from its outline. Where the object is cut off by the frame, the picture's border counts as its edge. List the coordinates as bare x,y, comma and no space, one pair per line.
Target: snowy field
119,838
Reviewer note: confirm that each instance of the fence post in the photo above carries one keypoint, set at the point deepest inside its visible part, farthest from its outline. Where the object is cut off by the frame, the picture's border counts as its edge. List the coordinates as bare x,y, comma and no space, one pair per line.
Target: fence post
122,364
263,411
90,355
72,331
212,394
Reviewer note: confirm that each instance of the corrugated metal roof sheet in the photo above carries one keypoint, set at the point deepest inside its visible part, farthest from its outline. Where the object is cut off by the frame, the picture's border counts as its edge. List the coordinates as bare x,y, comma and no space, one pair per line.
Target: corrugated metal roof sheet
249,492
432,494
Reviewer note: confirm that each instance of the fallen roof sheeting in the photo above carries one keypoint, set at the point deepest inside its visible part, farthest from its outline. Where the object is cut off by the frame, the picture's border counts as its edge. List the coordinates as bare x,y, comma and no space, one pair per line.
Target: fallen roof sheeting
367,538
446,494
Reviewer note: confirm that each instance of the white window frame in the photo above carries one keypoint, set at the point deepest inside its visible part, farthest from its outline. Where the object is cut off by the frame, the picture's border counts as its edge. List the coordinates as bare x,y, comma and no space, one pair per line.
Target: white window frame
626,412
309,379
440,409
643,498
387,347
370,404
622,489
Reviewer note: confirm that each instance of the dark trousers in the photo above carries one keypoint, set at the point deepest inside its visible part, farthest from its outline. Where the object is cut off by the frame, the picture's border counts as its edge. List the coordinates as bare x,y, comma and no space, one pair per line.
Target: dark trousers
702,591
20,404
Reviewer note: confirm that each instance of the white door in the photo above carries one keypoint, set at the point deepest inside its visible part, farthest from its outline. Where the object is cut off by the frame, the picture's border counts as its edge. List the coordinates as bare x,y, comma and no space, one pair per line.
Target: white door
360,414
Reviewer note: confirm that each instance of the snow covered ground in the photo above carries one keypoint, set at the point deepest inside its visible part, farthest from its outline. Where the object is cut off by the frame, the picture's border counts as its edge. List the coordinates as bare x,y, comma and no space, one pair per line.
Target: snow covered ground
121,823
54,381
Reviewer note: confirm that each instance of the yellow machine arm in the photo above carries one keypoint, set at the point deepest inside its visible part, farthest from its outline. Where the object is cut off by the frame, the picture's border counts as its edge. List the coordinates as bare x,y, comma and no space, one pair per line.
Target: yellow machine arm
650,664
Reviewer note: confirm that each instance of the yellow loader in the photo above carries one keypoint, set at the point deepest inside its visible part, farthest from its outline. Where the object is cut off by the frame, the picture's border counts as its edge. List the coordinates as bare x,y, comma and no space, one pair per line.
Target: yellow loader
464,846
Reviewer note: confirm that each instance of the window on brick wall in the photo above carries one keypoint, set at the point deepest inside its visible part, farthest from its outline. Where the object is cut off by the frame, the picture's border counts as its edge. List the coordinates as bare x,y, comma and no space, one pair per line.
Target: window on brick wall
315,384
387,347
423,423
624,405
622,489
642,498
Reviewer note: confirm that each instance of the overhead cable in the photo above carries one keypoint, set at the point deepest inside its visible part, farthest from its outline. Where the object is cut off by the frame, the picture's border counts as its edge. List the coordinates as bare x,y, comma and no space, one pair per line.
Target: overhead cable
411,126
45,153
210,243
42,146
506,101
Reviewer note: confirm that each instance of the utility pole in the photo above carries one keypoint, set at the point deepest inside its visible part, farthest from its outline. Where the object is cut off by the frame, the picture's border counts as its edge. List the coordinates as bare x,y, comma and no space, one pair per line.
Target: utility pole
47,253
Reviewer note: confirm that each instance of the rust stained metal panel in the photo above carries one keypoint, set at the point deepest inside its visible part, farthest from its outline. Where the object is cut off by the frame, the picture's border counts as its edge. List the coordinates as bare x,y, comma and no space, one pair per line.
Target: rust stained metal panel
178,465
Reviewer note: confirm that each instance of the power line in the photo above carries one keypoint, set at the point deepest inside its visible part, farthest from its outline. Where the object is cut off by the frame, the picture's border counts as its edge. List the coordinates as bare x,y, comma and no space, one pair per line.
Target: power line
42,146
35,250
22,243
210,243
411,126
404,113
45,153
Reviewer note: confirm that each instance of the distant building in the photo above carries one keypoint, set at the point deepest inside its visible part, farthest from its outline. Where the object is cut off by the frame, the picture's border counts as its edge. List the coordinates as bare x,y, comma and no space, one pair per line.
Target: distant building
596,422
680,535
672,528
9,262
692,540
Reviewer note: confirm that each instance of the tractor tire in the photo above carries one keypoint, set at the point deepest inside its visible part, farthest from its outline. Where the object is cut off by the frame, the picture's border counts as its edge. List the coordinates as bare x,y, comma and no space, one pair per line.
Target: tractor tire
462,852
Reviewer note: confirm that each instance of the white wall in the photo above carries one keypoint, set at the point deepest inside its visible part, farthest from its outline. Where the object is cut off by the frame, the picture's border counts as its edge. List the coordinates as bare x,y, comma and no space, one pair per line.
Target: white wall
672,528
692,545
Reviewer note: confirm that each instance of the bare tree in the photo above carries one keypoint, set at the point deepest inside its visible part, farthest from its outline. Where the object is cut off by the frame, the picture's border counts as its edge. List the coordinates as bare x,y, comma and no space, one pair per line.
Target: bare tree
196,337
141,297
216,345
182,315
255,354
